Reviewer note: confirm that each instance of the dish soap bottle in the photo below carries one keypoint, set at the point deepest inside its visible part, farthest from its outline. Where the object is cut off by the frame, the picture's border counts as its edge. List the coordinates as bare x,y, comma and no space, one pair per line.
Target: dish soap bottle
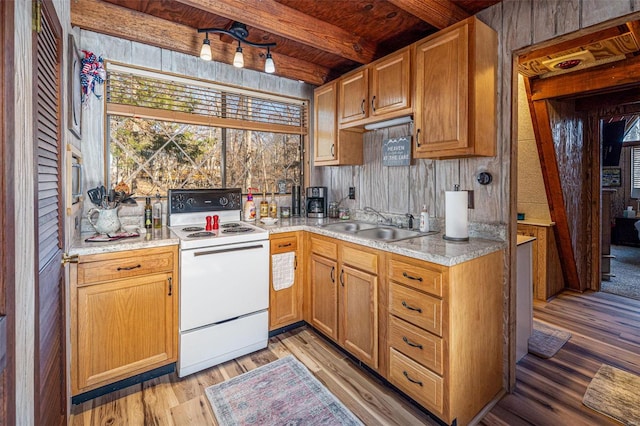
148,214
249,208
264,207
424,219
157,212
273,207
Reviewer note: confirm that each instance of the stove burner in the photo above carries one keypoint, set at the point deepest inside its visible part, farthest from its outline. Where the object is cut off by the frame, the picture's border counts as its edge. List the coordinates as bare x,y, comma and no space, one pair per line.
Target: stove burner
193,228
230,225
237,229
201,234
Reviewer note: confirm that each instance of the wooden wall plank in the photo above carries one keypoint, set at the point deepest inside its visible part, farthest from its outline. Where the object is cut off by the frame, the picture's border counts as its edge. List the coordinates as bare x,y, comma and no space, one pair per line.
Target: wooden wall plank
556,18
595,11
374,182
422,190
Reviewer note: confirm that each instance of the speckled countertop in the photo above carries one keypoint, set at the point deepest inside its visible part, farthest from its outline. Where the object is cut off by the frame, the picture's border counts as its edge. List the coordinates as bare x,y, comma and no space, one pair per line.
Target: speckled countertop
432,248
155,238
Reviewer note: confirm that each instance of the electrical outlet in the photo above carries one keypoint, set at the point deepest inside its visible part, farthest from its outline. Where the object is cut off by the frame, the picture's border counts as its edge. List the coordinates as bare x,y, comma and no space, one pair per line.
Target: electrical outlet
352,192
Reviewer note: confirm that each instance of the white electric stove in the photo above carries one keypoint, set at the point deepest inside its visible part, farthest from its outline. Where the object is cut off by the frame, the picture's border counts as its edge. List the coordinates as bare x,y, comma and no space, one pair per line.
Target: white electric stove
224,278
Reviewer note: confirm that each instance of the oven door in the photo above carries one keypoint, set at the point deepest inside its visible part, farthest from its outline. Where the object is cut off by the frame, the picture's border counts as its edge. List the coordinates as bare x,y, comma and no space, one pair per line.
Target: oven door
223,282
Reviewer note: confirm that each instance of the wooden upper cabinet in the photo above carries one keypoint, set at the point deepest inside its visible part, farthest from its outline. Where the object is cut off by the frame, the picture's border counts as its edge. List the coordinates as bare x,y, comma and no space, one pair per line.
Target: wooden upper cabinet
333,147
325,128
391,84
354,96
378,91
455,98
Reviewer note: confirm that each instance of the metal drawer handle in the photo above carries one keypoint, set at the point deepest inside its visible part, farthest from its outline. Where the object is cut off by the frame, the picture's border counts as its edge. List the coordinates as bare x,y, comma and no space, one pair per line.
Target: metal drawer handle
417,382
170,286
204,253
333,274
364,101
342,277
419,310
284,245
128,268
404,274
333,152
410,343
373,100
418,137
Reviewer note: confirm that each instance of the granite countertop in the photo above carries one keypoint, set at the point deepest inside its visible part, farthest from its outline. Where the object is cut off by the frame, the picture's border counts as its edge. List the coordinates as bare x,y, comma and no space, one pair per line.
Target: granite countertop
154,238
432,248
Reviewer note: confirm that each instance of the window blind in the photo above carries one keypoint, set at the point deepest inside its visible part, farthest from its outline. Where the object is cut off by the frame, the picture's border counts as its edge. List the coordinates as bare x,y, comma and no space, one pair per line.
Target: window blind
635,167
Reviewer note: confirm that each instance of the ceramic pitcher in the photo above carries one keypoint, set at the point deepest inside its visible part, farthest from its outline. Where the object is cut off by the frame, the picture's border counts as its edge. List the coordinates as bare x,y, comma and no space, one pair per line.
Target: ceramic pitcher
108,221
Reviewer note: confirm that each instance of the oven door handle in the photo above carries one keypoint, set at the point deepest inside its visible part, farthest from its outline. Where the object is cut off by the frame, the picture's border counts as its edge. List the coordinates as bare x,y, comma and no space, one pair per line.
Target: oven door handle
204,253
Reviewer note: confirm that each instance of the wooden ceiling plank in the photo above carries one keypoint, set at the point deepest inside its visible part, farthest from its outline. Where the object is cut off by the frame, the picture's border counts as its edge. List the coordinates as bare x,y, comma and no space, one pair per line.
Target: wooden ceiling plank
116,21
614,75
275,18
553,186
439,13
629,98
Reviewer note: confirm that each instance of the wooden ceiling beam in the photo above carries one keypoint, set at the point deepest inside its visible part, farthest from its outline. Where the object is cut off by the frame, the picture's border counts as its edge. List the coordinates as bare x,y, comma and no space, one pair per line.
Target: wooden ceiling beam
116,21
439,13
275,18
591,80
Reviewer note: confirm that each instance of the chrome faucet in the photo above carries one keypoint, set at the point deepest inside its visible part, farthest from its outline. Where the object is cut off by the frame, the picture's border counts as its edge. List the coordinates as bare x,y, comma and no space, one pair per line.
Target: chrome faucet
385,219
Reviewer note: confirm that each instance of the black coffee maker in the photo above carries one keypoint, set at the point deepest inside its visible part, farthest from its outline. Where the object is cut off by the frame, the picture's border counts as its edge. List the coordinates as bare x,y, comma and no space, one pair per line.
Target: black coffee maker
317,201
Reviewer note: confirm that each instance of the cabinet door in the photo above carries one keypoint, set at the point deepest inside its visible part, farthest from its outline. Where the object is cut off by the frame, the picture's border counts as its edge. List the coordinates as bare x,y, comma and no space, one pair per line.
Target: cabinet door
442,102
353,90
390,84
325,125
324,296
285,305
359,314
124,327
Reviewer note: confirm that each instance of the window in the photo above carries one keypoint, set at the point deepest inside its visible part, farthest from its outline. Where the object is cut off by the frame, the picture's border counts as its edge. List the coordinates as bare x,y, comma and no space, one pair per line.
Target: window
171,132
635,168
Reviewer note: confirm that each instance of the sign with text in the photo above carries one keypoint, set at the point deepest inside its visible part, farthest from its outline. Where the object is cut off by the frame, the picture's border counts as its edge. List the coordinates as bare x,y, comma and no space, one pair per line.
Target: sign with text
396,151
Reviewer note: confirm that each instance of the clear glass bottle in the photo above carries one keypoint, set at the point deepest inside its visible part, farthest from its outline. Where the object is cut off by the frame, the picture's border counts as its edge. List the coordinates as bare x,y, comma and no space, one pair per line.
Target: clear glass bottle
157,212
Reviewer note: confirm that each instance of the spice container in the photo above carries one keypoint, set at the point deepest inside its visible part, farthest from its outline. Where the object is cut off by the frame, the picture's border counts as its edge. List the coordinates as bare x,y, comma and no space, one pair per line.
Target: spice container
343,213
333,210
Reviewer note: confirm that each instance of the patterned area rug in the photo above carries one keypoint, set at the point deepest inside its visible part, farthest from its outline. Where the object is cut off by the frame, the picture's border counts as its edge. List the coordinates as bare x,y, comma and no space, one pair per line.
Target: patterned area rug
283,392
615,393
546,341
626,268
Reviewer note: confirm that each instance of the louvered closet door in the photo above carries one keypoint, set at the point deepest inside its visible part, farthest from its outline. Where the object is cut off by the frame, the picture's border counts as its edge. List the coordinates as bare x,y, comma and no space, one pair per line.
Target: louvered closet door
50,398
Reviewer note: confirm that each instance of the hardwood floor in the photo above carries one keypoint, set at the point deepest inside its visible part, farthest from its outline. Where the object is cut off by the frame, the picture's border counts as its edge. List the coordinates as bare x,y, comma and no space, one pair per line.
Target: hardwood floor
169,400
605,329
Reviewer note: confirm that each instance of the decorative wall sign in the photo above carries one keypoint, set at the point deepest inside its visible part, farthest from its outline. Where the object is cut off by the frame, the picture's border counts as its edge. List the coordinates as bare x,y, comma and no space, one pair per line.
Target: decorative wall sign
75,89
396,151
611,177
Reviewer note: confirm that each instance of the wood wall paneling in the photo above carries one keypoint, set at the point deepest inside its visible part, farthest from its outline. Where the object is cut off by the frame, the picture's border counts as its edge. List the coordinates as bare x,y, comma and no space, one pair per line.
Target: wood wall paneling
559,17
595,11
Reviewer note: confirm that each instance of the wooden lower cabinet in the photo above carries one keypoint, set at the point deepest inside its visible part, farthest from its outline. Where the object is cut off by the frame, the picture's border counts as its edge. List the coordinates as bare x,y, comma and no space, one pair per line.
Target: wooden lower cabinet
124,315
547,270
444,342
343,281
285,304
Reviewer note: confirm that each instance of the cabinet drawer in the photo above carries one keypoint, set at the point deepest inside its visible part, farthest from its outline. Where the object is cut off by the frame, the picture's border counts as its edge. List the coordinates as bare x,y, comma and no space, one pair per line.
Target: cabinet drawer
124,267
415,307
418,277
284,245
324,248
416,343
416,381
360,259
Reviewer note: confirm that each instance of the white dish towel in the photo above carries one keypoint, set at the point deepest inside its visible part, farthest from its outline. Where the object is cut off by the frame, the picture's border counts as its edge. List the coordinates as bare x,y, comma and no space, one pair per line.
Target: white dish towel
282,270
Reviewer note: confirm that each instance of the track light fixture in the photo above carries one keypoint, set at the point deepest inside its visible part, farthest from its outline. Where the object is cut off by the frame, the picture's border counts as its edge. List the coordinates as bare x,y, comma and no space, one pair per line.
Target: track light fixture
239,32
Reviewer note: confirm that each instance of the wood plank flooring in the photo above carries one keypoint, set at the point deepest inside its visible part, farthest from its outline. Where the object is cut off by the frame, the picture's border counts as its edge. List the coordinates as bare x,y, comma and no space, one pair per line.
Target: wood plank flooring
605,329
169,400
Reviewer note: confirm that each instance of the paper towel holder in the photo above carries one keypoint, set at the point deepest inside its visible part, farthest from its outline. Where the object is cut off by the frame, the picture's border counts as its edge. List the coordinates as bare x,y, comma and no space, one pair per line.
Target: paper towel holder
456,188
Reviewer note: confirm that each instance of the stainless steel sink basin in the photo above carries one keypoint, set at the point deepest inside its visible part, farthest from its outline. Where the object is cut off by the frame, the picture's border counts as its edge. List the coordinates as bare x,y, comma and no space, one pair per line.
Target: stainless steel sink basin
350,227
389,234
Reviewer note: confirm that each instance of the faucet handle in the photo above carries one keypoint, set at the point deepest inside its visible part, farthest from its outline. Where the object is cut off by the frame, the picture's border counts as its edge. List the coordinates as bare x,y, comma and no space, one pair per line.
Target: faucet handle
410,218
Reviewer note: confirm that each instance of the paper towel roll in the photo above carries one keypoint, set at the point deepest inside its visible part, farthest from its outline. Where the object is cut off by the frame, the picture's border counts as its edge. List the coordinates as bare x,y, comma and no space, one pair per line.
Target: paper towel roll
456,215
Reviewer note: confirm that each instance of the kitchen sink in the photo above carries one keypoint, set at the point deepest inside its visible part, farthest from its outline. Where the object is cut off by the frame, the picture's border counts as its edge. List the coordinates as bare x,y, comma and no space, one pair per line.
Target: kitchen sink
389,233
374,231
351,227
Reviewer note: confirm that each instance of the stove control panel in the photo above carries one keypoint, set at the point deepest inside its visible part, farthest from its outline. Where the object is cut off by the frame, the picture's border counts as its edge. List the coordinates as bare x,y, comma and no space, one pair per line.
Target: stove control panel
204,200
